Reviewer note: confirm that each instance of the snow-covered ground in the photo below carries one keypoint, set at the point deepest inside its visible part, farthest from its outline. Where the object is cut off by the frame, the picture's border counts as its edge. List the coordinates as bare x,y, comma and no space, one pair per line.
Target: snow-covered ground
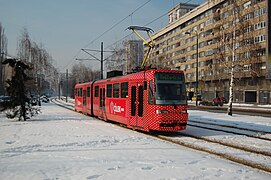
236,120
61,144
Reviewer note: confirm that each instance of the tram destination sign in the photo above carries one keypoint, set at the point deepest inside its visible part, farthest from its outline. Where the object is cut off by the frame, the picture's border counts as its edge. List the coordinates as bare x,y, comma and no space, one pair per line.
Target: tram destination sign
168,77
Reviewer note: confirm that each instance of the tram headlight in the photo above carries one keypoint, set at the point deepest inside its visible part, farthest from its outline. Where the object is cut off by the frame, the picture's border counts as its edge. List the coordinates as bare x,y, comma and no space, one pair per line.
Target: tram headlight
183,111
158,111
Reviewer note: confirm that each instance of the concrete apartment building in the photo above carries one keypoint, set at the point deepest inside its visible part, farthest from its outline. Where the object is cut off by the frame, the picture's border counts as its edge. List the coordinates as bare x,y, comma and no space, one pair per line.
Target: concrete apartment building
134,55
214,39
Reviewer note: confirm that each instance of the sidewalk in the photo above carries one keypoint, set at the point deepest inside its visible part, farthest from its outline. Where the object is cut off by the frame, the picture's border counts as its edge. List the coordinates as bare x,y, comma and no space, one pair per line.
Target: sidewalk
236,107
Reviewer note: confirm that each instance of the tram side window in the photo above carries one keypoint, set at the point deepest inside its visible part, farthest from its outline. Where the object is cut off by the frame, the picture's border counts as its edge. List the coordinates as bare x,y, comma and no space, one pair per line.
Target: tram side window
75,92
96,93
88,91
116,90
109,90
79,92
124,90
150,97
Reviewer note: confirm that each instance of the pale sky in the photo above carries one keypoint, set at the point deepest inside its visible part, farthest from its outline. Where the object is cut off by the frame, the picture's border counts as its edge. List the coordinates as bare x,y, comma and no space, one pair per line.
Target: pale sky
66,26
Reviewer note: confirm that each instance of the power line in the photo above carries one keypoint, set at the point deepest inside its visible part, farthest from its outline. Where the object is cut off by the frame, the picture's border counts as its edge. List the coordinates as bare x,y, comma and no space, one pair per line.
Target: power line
144,25
112,27
121,22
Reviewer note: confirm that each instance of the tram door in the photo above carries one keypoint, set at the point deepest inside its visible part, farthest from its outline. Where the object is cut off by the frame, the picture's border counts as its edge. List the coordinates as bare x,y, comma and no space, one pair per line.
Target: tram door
84,100
136,105
102,101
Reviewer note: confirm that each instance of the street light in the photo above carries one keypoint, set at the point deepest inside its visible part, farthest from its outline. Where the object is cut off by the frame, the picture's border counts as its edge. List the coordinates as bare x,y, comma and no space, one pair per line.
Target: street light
197,64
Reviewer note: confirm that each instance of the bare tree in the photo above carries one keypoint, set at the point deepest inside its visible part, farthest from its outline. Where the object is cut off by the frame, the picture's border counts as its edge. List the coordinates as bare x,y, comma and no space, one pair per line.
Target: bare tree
80,74
3,52
43,72
24,46
236,51
116,60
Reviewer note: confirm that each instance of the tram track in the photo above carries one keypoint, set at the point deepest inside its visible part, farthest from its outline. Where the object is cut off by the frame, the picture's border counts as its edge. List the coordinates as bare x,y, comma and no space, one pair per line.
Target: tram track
230,129
239,153
244,147
223,151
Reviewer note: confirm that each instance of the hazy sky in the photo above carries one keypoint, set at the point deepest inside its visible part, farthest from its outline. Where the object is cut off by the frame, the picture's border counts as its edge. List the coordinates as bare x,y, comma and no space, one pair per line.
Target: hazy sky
66,26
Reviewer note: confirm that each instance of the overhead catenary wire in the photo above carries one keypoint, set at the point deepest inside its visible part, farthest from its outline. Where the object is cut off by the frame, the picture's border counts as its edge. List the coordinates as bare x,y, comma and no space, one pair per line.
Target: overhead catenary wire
112,27
119,22
147,24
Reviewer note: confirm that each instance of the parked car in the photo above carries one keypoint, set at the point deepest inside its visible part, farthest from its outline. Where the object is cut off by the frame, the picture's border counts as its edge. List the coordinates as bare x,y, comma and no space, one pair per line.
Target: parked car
44,99
4,100
217,101
198,97
34,102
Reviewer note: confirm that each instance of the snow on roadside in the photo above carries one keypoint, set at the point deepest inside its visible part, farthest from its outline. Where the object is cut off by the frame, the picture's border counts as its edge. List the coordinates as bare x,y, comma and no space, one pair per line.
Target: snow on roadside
244,121
61,144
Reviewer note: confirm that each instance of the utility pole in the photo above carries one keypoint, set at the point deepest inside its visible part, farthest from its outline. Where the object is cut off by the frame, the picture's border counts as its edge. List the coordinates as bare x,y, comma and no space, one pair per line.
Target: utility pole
67,82
102,64
95,58
197,65
59,86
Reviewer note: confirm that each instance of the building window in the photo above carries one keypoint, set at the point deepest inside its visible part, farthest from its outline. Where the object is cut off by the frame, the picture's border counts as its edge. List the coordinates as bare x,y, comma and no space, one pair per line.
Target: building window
201,26
247,4
194,47
261,52
201,44
202,63
209,22
209,52
259,12
201,54
225,14
246,67
248,16
247,29
209,12
194,56
195,28
170,18
260,38
246,55
259,25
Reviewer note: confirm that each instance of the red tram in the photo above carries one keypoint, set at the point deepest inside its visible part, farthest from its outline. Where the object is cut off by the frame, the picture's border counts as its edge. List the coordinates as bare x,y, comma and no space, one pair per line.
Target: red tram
146,100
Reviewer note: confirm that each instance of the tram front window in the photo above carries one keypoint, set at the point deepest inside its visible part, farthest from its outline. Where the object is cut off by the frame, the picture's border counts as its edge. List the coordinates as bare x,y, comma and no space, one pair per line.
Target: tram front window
168,93
170,89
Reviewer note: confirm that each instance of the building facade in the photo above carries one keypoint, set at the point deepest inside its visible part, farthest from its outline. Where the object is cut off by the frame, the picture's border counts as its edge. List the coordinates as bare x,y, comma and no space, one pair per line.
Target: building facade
134,55
213,41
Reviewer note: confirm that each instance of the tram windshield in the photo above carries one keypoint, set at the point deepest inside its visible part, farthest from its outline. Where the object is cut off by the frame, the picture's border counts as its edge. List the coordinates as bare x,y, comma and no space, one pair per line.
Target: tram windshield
170,89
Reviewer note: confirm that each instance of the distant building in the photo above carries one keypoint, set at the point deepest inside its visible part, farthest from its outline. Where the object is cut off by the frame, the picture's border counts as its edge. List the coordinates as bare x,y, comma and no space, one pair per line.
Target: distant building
135,54
211,37
6,73
178,11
